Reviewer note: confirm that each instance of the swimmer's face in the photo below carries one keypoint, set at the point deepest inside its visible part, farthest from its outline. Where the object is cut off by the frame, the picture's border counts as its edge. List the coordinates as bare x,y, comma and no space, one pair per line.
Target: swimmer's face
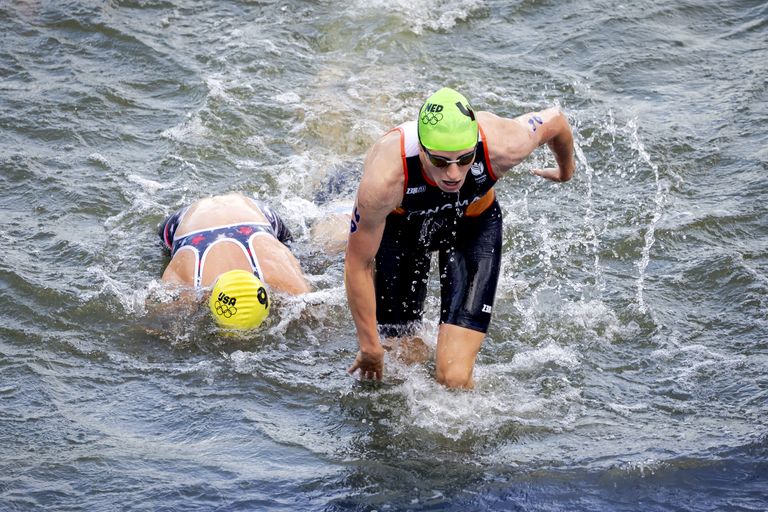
448,169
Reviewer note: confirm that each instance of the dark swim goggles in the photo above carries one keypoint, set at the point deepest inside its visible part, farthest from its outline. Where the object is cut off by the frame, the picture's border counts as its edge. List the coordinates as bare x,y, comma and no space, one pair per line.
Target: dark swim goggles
441,161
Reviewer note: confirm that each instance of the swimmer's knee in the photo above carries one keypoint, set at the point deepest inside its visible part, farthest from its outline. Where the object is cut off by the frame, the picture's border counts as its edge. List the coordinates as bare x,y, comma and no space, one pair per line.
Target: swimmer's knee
454,376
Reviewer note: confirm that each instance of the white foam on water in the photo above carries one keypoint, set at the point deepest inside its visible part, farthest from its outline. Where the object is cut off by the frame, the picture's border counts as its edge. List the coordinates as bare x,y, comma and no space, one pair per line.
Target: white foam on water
206,368
268,46
100,159
189,131
300,211
286,431
627,411
314,304
504,394
132,300
243,362
693,362
438,15
148,186
540,357
217,89
144,197
287,98
594,315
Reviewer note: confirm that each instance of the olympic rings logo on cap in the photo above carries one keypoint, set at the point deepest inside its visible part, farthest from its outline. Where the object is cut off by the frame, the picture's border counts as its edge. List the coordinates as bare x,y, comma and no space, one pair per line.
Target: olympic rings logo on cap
261,296
431,118
225,310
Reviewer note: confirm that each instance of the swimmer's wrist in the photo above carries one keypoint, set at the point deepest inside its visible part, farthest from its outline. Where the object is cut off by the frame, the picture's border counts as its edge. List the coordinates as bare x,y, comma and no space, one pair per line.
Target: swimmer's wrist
371,348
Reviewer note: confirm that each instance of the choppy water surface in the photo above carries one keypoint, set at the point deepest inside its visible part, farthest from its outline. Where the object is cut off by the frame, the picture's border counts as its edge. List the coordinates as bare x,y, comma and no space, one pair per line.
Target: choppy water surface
627,364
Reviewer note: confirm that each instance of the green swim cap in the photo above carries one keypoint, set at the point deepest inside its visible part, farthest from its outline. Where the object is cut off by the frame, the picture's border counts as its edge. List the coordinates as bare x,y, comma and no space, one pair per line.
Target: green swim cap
447,122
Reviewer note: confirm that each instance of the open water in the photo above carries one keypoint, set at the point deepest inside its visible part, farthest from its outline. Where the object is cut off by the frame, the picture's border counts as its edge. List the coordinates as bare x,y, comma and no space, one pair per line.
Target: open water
626,368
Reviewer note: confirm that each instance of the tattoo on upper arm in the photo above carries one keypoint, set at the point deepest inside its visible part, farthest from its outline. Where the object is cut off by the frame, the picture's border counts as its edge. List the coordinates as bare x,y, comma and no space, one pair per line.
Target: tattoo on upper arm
355,220
534,121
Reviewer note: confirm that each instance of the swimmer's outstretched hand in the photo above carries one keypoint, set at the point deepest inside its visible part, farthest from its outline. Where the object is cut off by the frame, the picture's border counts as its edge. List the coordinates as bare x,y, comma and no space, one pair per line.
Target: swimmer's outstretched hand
371,366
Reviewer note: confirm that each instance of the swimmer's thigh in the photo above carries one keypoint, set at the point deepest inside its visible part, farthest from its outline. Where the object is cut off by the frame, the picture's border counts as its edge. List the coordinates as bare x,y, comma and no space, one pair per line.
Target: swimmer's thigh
402,272
469,271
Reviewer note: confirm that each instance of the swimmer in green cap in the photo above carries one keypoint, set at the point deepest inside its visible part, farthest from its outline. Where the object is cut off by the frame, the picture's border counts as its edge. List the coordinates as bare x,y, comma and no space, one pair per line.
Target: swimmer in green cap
427,187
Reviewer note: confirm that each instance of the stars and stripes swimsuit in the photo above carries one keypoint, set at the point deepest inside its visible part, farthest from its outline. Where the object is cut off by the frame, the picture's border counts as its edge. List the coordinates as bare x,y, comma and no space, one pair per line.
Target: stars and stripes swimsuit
201,241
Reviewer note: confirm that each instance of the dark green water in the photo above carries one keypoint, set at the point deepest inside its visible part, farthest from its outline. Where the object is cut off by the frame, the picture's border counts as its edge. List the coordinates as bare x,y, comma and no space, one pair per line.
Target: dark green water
627,364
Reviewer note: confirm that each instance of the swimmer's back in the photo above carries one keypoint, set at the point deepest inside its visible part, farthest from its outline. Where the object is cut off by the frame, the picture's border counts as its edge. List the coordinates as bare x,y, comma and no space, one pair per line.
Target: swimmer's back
232,208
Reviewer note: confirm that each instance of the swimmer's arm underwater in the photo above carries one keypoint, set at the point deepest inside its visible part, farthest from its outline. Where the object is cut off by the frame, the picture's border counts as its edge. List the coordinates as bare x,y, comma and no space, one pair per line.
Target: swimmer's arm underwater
181,303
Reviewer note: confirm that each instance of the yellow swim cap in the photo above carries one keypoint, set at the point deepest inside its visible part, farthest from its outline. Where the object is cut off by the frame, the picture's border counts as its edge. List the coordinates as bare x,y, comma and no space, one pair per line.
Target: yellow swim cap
239,300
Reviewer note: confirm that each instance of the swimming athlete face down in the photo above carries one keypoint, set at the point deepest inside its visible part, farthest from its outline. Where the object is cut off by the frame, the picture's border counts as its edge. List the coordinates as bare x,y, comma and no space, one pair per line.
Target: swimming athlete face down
448,169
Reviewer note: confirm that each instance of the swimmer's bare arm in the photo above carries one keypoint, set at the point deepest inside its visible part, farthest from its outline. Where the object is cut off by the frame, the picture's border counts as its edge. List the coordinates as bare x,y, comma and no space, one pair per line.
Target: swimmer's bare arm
180,270
512,140
281,269
182,302
380,192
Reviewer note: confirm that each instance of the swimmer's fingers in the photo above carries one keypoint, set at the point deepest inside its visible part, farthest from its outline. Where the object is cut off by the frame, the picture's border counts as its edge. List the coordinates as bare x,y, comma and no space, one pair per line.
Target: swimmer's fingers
542,173
354,366
549,173
370,368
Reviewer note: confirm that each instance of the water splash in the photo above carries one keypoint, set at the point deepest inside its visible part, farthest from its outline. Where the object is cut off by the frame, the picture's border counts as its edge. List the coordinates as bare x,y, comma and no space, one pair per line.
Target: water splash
658,202
437,15
591,240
